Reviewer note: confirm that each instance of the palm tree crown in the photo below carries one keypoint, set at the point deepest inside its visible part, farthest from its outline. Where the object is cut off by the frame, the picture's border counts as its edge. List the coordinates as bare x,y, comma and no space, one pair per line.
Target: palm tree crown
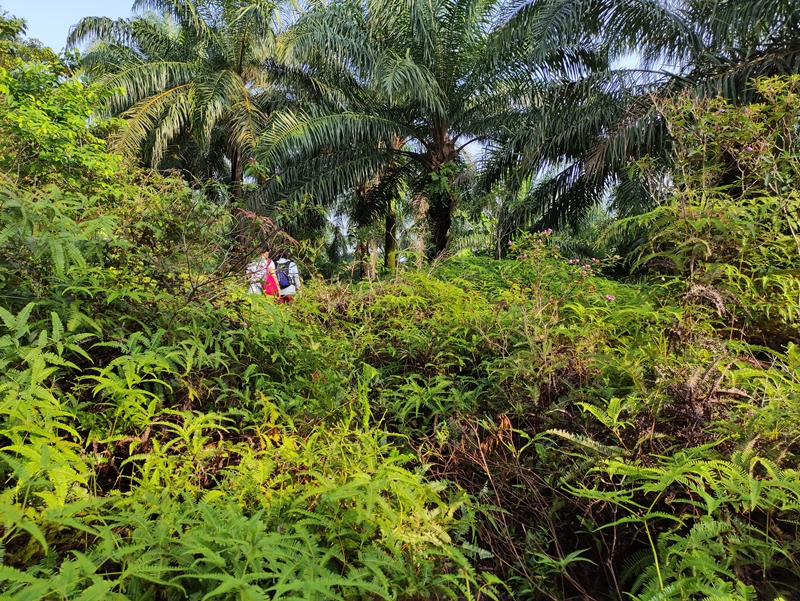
434,75
584,133
191,75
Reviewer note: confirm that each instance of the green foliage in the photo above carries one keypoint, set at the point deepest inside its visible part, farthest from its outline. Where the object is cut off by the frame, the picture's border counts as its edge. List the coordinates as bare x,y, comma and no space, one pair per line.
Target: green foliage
728,519
732,229
147,410
44,123
192,78
524,424
14,47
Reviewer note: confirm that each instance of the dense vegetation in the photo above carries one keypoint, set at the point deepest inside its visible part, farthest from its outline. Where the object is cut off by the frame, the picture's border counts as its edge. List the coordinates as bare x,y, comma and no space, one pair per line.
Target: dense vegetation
610,410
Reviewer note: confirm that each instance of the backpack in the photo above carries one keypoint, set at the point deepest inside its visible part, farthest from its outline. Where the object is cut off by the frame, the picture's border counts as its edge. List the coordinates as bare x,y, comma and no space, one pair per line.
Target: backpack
282,271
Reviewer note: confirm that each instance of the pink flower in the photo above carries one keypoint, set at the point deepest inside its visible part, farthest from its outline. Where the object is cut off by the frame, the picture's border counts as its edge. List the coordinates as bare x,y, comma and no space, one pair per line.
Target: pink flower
750,148
610,297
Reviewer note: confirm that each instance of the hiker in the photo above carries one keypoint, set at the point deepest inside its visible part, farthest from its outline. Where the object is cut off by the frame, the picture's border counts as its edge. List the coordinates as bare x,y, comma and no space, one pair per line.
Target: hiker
263,276
288,277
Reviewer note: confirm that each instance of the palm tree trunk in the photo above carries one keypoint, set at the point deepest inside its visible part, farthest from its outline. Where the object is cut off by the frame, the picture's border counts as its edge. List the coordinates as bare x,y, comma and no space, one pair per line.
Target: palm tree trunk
440,210
237,171
358,261
372,268
390,239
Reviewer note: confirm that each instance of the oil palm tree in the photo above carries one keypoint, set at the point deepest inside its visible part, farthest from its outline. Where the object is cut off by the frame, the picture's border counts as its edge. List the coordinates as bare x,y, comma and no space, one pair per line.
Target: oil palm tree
193,79
578,138
437,75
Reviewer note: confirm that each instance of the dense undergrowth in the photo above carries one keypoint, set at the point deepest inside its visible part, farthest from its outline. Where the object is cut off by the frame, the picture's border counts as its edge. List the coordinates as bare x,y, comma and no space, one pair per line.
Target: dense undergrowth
477,429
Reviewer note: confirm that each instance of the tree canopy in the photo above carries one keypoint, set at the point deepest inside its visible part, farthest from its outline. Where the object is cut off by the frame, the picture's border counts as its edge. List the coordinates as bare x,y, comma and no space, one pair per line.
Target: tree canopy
191,78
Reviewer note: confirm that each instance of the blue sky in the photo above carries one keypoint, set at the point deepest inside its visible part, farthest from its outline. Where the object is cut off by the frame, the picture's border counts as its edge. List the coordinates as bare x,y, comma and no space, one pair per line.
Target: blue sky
50,20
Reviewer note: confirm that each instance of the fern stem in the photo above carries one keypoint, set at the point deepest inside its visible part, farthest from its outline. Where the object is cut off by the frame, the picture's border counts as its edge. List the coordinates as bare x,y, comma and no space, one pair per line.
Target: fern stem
655,555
